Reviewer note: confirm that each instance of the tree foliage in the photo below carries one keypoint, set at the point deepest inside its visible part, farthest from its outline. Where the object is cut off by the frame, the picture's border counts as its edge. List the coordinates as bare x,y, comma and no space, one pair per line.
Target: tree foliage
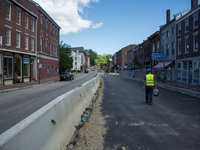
93,55
65,60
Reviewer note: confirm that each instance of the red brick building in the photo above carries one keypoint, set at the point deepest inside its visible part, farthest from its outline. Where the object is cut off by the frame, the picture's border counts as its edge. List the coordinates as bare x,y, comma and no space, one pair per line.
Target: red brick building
30,38
18,53
187,45
122,56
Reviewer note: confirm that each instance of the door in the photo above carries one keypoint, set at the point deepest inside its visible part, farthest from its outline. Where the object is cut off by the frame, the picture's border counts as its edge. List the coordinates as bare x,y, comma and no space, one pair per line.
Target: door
52,71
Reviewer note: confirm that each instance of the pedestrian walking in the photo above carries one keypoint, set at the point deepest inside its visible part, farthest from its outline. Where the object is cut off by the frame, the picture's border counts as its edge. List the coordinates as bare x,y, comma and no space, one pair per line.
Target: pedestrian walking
149,83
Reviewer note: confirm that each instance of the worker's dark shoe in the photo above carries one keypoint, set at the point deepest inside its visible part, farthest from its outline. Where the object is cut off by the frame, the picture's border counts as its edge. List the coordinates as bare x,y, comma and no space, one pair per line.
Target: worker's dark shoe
150,103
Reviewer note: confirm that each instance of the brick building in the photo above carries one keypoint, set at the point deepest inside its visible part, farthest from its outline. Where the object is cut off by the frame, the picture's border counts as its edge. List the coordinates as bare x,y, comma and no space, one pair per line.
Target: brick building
30,37
18,54
121,56
187,45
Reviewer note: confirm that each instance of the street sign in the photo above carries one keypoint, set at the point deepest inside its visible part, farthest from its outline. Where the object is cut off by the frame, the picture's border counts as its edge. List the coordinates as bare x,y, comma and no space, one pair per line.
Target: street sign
1,41
158,56
40,66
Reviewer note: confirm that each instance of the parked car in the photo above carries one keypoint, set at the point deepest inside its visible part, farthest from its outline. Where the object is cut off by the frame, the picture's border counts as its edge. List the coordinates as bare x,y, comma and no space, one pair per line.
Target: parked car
66,76
87,70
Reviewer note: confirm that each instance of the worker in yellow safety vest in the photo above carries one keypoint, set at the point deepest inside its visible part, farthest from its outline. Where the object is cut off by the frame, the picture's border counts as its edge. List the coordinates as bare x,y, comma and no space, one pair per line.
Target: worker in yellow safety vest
149,83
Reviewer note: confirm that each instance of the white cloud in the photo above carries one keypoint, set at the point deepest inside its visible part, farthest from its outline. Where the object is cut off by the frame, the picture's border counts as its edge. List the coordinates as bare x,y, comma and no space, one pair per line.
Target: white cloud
98,25
66,14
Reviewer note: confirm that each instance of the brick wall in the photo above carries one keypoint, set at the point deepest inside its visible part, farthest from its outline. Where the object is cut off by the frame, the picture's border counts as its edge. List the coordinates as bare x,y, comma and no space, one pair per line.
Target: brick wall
46,70
12,24
190,34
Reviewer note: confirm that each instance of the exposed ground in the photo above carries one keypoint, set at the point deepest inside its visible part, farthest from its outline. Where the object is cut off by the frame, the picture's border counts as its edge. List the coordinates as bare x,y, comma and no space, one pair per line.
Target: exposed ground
91,136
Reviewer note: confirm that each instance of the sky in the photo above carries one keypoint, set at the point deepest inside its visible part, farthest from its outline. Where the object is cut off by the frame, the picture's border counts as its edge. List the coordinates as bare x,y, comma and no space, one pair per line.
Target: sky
106,26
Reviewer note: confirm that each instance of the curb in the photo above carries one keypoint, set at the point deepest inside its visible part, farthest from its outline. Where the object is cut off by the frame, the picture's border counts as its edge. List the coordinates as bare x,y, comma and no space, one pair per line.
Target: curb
23,87
172,88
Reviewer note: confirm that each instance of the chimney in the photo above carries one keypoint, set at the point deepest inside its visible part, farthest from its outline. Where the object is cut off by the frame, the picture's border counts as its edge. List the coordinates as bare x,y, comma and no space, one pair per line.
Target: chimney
168,16
194,4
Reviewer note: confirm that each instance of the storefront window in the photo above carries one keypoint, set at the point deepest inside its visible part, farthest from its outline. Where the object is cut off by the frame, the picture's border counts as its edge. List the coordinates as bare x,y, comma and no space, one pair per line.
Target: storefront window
26,67
179,69
196,70
18,66
185,69
8,69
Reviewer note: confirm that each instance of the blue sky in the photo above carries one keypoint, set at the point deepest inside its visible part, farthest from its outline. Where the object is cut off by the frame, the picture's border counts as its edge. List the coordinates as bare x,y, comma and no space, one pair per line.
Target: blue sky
106,26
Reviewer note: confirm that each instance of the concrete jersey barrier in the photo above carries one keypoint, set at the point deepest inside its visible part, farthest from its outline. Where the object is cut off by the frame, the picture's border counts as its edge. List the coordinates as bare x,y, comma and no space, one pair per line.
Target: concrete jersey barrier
52,126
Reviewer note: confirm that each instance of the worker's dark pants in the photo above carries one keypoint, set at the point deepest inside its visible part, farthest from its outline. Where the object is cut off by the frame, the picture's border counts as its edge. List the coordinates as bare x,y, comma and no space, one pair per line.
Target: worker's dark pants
149,94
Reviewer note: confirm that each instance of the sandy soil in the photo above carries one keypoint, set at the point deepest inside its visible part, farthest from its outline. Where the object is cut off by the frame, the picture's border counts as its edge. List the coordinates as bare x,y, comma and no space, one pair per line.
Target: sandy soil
91,136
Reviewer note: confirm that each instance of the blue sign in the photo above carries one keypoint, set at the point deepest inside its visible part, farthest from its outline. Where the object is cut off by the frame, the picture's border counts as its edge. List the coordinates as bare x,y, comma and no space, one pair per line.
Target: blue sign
26,61
158,56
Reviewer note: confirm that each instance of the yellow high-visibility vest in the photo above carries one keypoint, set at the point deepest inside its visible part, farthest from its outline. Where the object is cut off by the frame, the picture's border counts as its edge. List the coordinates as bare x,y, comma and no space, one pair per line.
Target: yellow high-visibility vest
149,80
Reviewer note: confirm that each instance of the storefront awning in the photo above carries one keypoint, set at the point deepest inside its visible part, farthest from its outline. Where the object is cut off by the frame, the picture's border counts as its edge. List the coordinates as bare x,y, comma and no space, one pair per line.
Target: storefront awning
161,65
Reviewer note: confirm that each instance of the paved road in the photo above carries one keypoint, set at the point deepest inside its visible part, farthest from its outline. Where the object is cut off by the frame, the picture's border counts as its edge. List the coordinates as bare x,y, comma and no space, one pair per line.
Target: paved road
17,105
171,123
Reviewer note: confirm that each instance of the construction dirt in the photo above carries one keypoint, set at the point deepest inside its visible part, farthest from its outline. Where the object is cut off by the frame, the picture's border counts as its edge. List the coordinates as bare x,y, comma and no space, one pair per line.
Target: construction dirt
91,136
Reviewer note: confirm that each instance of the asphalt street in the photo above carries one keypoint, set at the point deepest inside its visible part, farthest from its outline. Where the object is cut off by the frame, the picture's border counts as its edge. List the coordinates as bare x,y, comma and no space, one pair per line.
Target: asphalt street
19,104
171,123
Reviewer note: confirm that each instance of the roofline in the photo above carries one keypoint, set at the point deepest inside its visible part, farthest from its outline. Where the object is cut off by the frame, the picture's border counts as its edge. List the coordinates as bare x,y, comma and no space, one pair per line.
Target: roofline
188,14
163,26
45,13
30,12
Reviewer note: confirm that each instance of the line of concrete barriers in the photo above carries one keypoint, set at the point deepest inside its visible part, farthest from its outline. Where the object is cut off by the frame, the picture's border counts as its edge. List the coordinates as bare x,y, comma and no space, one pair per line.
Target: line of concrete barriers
52,126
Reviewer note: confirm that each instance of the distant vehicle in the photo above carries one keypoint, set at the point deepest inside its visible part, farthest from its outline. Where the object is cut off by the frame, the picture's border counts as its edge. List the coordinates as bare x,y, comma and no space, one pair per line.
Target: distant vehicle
66,76
87,70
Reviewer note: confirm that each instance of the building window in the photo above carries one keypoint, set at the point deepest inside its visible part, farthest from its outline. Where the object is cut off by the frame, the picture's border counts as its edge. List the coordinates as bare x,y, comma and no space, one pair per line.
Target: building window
186,45
41,44
163,36
51,29
196,70
47,25
153,48
56,34
196,19
50,48
8,67
173,30
26,67
18,39
8,11
179,29
195,42
46,46
167,49
26,42
48,70
26,21
32,24
32,43
167,33
41,23
158,46
53,50
173,48
186,25
184,69
18,18
179,46
8,36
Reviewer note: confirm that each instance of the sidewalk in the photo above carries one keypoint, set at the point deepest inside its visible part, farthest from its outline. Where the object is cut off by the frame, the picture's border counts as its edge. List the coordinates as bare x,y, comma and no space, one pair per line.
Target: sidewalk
191,90
27,84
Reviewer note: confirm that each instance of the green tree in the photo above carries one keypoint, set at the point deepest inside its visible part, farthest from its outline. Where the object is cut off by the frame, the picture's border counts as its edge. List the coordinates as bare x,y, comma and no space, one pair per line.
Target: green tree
93,55
65,60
